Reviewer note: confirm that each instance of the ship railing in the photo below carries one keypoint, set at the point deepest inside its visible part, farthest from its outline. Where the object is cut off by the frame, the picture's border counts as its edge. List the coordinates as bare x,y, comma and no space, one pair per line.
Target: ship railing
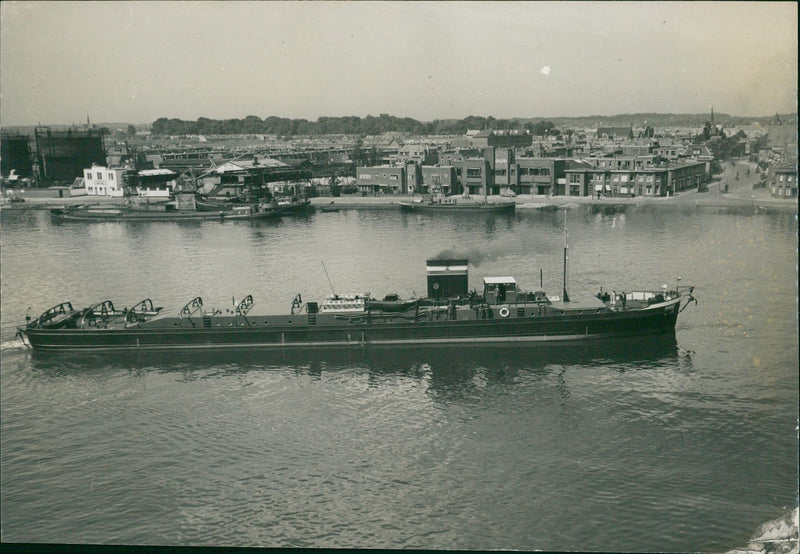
243,307
194,305
297,304
141,311
60,310
99,314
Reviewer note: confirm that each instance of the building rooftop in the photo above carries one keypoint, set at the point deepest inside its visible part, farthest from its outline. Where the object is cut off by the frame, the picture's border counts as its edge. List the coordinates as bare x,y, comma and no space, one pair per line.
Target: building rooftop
153,172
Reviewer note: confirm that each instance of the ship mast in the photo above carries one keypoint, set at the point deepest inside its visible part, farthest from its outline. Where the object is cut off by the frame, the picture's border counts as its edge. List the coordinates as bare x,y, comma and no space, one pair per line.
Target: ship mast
329,279
565,296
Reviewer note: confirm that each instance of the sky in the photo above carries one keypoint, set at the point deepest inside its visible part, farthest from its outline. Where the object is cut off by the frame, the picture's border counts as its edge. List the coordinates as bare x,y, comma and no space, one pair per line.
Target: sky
137,61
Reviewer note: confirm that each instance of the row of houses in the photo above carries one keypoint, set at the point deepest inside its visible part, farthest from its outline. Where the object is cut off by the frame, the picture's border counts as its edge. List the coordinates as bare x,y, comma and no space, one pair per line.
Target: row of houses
779,158
500,171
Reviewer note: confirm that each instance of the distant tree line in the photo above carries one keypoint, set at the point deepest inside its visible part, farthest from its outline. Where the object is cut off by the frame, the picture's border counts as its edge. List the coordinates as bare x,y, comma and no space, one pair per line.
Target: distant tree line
348,125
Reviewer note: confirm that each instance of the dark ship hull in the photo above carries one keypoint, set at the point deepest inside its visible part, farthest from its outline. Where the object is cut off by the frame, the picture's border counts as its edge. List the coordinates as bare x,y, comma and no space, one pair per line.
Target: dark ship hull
472,207
104,215
176,334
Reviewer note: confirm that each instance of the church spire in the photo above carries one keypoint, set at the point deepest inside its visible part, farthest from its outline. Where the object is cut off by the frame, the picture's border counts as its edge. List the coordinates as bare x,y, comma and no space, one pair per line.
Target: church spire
712,115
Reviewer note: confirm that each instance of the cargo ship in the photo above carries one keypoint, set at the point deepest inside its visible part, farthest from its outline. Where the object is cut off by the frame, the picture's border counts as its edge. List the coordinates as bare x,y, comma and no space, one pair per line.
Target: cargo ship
450,314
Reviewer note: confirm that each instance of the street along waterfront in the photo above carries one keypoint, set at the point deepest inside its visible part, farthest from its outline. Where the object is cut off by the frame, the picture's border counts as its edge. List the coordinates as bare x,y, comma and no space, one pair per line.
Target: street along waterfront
676,446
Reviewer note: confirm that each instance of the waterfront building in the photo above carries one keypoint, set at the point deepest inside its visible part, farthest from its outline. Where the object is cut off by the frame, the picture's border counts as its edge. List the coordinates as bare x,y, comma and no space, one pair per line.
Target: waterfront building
381,179
782,180
414,181
475,175
439,180
155,183
577,175
539,175
99,180
626,178
500,170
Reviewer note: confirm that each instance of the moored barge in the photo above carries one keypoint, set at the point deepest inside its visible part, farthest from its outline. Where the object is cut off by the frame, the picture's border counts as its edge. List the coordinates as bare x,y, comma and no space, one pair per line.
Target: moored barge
125,213
456,205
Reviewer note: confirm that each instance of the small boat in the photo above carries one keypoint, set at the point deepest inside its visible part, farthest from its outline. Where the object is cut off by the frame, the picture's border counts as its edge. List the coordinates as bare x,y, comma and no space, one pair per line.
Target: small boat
458,206
329,208
294,206
392,303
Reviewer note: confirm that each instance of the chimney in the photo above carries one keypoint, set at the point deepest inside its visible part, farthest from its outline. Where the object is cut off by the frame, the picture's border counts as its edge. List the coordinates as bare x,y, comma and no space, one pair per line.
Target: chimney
488,155
447,278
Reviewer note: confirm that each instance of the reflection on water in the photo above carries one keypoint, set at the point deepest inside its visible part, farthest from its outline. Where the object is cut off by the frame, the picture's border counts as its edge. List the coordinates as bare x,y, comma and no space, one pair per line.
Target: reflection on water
447,364
685,443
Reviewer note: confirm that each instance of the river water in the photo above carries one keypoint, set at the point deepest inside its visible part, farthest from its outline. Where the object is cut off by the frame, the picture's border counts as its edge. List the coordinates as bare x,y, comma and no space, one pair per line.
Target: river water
677,445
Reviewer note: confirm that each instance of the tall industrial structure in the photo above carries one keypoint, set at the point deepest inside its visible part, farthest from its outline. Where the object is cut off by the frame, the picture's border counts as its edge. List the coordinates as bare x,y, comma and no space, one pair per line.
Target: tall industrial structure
63,155
15,155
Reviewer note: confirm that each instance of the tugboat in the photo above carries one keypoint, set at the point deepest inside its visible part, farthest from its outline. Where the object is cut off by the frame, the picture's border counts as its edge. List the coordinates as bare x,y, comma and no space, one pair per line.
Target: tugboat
450,314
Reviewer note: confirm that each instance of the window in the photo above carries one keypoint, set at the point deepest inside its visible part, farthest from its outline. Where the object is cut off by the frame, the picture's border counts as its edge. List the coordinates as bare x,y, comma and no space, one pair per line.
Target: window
88,176
394,177
99,176
500,172
365,176
110,176
473,172
545,171
574,178
523,170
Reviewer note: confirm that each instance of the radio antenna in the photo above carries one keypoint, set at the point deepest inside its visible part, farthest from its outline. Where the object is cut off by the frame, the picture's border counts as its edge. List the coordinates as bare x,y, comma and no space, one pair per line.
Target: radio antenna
566,234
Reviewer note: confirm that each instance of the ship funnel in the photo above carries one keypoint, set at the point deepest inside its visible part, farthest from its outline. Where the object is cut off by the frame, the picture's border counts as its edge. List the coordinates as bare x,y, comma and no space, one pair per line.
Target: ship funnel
447,278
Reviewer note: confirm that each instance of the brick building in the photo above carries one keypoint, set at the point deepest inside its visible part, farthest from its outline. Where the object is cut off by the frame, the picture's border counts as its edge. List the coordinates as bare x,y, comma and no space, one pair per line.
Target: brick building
381,179
782,180
626,178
